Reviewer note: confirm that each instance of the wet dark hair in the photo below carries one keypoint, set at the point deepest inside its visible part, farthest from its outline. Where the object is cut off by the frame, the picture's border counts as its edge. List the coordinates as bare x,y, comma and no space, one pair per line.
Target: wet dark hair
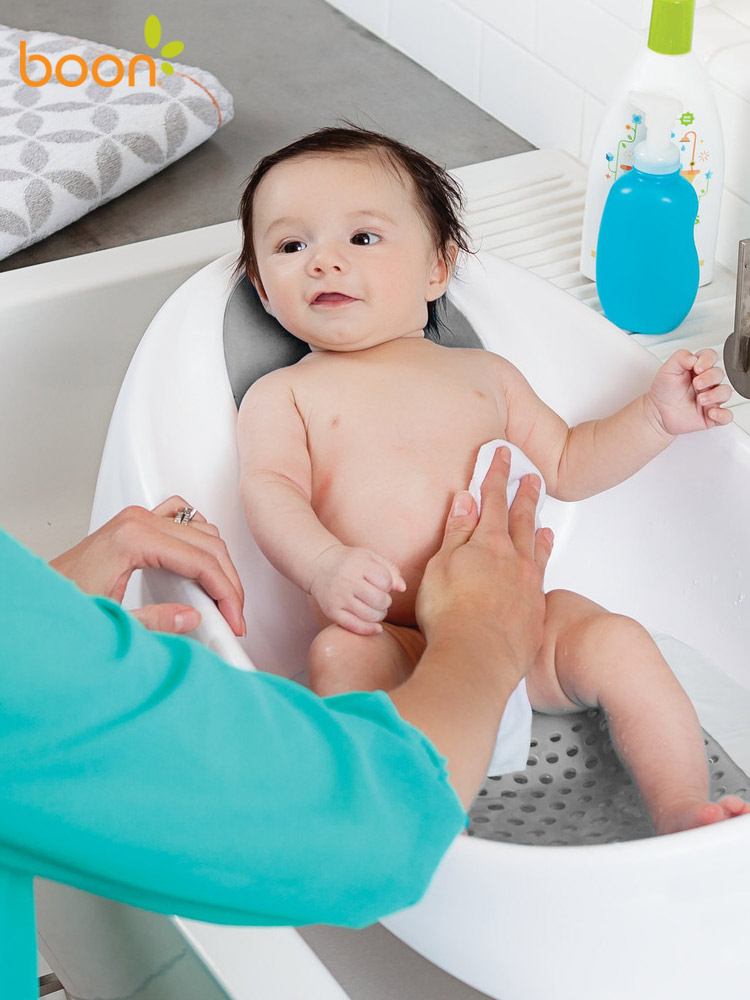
438,196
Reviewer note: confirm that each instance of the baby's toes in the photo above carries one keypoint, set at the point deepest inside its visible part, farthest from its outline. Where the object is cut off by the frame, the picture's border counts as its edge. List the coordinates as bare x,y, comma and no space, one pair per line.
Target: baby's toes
733,805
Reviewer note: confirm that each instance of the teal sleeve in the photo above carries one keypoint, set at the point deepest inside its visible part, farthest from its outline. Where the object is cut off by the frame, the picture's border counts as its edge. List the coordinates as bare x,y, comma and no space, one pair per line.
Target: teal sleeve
140,767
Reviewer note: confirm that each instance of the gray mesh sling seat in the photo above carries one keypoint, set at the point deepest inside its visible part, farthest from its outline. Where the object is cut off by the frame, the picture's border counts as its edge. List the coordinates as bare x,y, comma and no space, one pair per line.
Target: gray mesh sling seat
574,789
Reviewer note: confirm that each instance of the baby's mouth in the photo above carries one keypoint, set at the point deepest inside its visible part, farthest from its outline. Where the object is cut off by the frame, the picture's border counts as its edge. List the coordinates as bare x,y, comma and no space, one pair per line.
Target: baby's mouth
332,299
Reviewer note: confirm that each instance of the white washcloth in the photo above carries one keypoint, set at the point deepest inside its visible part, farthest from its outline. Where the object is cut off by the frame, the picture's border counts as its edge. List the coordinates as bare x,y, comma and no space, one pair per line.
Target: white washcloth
512,745
65,150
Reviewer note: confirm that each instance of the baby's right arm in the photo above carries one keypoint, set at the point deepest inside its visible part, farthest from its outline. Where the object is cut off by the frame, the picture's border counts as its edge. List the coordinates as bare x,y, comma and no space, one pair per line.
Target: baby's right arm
351,585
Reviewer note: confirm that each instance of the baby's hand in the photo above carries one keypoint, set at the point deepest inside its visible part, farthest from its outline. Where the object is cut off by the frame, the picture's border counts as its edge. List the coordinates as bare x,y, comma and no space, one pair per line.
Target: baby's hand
353,586
687,393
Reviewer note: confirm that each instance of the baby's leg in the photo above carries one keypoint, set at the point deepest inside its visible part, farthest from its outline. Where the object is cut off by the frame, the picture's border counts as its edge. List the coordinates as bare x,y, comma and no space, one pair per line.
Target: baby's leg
591,658
340,661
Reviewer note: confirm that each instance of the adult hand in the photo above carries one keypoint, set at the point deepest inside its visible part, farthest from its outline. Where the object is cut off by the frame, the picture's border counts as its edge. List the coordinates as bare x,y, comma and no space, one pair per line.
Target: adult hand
481,609
485,582
140,539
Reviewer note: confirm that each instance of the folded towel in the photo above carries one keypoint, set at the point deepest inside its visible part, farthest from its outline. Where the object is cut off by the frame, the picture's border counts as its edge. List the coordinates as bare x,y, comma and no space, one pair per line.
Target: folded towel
512,745
65,150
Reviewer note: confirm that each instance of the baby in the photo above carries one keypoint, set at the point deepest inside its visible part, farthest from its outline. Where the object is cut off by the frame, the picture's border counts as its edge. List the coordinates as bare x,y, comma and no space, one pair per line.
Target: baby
350,458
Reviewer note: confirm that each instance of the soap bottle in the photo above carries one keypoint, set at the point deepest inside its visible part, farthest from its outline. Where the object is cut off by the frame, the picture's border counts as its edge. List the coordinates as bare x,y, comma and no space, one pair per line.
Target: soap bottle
667,66
647,269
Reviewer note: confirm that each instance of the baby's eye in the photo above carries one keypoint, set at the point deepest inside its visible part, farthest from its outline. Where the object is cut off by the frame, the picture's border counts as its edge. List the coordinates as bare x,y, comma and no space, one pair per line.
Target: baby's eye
365,239
293,246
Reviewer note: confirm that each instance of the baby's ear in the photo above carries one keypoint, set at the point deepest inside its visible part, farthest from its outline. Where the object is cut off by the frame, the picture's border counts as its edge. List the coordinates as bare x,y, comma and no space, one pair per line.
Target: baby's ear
442,270
258,286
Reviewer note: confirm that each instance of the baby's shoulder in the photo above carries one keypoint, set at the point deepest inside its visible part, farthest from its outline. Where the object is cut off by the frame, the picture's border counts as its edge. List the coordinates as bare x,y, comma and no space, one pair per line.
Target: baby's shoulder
483,359
274,383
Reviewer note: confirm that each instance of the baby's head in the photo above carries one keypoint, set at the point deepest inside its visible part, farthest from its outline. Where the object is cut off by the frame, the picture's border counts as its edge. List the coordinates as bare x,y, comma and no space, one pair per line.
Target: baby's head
347,185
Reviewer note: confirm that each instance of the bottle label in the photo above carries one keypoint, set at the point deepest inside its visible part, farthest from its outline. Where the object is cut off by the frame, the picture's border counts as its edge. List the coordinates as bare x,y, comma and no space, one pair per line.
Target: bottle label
621,159
695,159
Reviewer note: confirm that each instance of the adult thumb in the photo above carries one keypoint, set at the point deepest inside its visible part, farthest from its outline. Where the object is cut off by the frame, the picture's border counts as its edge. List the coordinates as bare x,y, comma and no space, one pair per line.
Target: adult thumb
177,618
462,520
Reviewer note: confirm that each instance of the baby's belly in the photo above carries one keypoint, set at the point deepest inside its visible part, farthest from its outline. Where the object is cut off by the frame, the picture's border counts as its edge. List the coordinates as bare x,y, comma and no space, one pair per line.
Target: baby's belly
399,513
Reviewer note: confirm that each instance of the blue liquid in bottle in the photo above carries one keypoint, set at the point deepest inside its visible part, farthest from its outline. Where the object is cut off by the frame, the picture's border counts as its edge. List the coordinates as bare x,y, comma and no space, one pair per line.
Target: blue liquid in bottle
647,269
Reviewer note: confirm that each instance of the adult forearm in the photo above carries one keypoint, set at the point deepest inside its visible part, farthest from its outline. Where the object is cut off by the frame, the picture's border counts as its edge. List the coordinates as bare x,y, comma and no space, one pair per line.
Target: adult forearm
456,697
602,453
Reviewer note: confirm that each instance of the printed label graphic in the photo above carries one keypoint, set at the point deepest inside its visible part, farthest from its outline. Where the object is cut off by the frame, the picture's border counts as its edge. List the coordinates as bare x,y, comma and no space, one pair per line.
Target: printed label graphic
691,148
108,69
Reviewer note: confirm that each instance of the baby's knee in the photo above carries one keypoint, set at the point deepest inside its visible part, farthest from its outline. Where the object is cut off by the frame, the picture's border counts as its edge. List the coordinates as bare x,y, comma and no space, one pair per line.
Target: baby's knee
327,658
618,629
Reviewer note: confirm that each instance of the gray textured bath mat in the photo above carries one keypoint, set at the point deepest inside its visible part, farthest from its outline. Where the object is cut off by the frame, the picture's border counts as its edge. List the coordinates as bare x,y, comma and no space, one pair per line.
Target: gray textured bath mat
575,790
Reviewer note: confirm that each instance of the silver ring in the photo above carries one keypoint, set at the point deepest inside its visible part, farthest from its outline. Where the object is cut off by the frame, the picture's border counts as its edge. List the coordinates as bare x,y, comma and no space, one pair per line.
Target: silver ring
186,515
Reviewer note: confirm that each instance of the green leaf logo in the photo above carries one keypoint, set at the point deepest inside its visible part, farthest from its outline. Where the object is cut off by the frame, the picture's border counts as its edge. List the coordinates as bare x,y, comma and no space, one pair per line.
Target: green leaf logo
152,35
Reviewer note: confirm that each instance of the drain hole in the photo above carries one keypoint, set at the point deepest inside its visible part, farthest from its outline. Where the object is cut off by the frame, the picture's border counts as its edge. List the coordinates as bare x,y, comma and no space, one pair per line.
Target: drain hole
555,737
551,758
521,779
546,779
572,751
570,773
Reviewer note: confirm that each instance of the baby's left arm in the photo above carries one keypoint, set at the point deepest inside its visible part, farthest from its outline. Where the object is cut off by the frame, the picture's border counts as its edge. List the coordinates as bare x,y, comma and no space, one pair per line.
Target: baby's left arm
686,395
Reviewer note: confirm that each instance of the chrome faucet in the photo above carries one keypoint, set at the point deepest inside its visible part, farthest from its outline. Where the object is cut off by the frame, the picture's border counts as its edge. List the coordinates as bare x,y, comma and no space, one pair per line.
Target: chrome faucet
737,347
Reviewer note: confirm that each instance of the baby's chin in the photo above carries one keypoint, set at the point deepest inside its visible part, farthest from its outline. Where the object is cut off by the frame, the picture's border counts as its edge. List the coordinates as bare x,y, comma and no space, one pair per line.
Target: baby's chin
347,344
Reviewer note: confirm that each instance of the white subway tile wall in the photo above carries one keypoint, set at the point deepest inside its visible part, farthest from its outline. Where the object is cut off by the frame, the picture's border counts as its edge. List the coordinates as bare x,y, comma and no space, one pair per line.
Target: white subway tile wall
510,82
442,37
546,69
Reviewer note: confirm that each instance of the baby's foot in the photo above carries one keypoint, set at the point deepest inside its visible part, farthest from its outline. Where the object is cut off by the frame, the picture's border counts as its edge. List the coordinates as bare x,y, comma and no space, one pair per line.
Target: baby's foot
699,813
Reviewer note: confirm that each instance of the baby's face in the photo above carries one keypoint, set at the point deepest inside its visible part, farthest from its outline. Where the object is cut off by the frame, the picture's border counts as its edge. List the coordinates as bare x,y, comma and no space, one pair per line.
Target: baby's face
344,259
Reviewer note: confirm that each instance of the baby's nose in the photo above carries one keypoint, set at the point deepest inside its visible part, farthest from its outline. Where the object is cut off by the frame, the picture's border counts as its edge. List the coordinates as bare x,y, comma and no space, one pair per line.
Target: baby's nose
328,258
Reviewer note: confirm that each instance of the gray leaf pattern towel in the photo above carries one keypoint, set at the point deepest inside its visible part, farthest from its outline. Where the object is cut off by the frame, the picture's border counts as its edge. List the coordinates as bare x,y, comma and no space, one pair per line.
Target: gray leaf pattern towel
65,150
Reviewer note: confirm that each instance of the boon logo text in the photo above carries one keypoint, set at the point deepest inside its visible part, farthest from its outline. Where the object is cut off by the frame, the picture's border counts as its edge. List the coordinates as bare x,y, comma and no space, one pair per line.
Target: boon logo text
152,35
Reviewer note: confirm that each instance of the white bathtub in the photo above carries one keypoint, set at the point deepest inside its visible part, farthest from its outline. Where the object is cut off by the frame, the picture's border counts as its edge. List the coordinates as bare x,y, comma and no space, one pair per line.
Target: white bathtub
517,922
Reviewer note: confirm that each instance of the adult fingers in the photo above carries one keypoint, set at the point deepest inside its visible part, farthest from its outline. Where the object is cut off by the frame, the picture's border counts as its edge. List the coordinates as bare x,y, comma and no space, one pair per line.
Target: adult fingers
460,523
522,515
176,618
198,557
495,492
544,540
174,504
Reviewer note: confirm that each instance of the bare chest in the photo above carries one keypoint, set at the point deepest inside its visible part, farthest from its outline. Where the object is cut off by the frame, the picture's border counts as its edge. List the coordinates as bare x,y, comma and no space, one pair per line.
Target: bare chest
390,445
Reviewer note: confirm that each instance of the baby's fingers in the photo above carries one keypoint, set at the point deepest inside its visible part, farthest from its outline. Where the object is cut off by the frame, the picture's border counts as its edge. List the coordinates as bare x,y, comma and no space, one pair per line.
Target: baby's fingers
716,396
353,623
373,597
704,360
708,379
385,575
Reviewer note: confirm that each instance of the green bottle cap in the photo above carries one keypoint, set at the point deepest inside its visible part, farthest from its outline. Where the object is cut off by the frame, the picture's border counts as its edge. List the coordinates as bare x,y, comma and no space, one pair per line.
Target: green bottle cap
671,31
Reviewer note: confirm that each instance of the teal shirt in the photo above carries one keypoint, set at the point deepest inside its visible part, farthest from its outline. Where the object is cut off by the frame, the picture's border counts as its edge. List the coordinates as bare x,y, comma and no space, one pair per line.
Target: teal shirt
140,767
